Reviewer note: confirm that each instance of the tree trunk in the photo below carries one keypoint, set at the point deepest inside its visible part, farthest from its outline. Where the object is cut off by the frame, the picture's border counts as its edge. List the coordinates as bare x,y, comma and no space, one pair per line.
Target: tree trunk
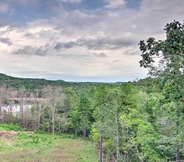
117,138
84,131
177,149
22,113
101,147
76,132
39,115
53,123
59,126
2,115
177,155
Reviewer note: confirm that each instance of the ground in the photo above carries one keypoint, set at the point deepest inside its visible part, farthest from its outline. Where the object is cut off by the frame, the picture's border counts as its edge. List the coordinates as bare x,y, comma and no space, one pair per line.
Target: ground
28,147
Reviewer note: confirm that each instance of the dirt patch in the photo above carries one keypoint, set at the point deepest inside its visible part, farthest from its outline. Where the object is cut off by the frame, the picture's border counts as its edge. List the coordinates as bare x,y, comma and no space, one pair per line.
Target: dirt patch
8,135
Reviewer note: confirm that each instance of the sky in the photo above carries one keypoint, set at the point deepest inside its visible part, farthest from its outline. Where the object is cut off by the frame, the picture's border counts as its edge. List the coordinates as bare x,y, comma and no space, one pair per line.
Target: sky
80,40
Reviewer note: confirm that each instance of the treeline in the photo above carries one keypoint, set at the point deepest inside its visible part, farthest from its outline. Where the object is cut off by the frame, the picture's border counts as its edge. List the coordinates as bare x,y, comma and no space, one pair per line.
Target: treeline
34,84
127,122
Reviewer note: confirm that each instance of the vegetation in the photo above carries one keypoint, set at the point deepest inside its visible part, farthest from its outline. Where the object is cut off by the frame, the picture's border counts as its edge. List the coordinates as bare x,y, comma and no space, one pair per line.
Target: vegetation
22,146
169,70
128,122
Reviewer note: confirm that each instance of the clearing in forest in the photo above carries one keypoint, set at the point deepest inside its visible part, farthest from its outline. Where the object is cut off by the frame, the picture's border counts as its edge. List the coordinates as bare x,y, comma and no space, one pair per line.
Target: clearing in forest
22,146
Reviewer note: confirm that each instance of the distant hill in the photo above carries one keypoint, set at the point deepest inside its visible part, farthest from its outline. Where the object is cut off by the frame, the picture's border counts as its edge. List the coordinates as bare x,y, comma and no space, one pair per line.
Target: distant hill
60,80
4,76
32,84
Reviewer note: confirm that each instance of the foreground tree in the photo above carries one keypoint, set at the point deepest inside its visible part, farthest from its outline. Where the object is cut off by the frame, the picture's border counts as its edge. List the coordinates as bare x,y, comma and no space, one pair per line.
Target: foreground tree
165,60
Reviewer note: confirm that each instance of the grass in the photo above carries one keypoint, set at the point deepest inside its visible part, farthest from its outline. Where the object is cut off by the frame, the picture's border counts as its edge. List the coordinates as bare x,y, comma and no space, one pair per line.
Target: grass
45,148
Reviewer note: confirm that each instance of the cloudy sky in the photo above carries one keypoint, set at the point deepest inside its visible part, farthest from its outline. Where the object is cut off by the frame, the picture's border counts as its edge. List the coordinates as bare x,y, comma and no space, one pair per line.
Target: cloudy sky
80,40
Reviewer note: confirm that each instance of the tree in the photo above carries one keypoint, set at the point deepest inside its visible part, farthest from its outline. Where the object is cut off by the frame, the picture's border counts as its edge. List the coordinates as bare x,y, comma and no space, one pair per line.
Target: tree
53,96
70,101
165,60
100,113
84,109
3,98
22,96
74,120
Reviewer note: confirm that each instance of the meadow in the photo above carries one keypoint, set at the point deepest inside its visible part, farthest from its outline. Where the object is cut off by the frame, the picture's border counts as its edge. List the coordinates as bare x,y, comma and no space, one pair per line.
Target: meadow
18,145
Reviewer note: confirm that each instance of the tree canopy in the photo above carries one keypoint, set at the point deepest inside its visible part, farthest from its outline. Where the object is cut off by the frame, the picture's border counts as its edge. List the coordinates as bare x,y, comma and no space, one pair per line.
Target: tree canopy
165,60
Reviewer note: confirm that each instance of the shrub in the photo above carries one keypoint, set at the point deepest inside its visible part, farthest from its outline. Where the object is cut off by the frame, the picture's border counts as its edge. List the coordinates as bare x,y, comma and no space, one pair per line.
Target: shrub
12,127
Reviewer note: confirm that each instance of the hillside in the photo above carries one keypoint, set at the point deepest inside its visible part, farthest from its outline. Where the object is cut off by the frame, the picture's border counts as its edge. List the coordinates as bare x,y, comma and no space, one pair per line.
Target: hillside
32,84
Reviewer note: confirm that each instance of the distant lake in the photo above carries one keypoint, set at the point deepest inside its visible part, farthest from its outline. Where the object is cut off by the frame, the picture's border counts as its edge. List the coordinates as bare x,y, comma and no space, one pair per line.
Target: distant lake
15,109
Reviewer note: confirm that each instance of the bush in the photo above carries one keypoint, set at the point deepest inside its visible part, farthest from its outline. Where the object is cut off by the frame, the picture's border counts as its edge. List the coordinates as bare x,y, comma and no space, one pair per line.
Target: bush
71,136
23,136
12,127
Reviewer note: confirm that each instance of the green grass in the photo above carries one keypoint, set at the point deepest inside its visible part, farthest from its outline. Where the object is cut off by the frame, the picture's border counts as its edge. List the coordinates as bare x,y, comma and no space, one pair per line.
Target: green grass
11,127
45,148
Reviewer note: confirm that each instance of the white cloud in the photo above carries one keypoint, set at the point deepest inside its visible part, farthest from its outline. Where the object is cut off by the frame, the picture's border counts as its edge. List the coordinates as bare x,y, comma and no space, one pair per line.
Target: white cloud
114,3
17,64
162,6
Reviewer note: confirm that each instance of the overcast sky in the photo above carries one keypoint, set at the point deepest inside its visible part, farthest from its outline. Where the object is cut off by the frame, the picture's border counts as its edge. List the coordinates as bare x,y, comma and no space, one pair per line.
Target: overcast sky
80,40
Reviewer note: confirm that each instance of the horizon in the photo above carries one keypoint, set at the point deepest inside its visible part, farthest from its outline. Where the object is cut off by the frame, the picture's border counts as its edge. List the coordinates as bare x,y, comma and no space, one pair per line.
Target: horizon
73,81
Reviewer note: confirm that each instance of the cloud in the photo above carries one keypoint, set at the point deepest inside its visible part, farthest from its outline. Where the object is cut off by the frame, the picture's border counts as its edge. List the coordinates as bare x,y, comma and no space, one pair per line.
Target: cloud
163,6
29,35
17,64
100,54
84,40
161,12
59,8
6,41
114,3
3,8
108,43
71,1
99,43
30,51
67,45
27,2
74,56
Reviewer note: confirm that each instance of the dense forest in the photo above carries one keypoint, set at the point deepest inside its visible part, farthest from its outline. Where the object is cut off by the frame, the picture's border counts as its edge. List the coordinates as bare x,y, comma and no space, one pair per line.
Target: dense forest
142,120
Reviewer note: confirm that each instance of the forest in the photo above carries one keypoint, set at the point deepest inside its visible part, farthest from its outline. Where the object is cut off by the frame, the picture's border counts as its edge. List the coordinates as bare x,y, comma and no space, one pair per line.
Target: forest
141,120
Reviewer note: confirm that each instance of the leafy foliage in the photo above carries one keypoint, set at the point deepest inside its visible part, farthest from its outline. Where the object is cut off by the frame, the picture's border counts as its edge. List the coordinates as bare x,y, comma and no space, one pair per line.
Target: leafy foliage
11,127
170,73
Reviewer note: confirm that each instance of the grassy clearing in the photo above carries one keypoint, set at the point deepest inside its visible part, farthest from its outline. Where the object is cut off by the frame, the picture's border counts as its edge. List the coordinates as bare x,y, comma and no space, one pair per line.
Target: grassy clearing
22,147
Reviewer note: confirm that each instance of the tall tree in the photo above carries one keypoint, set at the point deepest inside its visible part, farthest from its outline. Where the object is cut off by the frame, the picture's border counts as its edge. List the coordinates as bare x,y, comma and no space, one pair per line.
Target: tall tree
165,60
22,100
3,97
70,100
100,113
53,97
85,112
